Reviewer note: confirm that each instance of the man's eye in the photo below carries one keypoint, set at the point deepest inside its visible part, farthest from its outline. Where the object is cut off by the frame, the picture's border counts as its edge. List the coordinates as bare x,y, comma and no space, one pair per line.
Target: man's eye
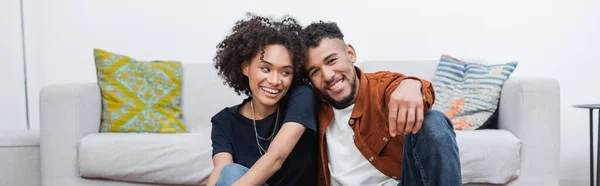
331,61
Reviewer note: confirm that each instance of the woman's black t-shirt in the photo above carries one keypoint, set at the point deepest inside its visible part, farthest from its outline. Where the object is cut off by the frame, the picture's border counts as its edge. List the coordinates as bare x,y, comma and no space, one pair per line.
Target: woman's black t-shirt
234,133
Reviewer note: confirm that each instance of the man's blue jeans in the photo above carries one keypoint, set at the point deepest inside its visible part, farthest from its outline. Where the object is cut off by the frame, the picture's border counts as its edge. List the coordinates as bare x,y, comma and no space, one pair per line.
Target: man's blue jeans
431,155
231,173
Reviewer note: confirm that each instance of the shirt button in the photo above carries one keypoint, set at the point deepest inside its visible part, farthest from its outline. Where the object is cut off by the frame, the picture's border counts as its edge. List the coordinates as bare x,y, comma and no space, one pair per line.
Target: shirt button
394,177
351,121
371,159
385,139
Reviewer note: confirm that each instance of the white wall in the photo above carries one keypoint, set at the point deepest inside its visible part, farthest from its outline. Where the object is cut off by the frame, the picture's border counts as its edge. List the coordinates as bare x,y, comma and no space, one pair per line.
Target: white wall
558,39
12,86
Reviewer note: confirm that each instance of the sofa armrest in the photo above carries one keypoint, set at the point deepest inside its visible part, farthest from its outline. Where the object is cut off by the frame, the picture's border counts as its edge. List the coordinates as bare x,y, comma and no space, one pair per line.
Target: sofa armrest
67,113
530,109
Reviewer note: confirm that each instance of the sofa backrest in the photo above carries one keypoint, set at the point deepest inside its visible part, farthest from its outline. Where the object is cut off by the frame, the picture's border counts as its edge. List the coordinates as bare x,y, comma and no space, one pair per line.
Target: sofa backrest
422,69
204,93
203,96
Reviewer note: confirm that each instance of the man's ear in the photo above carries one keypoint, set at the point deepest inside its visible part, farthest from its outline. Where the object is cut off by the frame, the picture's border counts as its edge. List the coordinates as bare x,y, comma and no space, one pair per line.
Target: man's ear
245,67
351,53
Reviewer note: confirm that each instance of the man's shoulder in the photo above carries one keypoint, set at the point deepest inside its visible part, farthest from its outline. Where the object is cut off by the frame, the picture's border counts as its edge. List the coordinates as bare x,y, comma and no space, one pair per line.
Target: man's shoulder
381,75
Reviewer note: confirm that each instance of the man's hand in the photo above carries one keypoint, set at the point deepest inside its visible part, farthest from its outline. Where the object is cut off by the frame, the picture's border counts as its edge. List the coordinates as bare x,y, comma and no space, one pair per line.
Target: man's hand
406,108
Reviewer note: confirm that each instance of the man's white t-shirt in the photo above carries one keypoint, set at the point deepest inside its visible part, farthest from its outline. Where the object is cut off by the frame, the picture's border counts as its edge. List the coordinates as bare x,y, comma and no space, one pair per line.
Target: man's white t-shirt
347,165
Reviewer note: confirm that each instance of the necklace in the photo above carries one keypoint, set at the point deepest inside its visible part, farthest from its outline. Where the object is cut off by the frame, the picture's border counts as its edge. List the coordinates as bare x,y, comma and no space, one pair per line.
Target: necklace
260,148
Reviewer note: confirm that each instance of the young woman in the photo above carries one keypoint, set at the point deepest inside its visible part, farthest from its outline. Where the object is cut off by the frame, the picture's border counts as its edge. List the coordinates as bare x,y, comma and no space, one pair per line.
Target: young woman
269,138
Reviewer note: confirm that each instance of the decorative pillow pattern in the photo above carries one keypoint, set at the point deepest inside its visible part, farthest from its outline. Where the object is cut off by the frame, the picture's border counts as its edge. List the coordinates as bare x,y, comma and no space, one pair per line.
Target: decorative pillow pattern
139,96
468,93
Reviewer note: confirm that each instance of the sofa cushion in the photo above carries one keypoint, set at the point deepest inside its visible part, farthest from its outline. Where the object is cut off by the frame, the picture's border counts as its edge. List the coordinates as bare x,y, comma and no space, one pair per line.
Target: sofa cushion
489,156
183,158
468,93
139,96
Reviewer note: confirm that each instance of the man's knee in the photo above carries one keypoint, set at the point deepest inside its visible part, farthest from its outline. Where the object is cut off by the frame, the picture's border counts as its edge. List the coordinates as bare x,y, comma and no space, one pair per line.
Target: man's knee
437,127
231,173
436,120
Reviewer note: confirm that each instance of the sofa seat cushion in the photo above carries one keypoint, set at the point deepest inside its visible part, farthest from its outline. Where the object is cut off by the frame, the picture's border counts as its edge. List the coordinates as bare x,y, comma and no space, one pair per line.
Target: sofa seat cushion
172,159
489,156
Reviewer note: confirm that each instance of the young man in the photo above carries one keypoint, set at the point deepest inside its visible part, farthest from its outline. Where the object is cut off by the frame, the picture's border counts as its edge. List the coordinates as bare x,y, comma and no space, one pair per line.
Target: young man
375,128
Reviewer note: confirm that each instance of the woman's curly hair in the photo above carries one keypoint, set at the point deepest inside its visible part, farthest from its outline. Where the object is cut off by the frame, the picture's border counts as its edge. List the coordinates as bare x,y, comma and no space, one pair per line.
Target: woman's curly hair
249,38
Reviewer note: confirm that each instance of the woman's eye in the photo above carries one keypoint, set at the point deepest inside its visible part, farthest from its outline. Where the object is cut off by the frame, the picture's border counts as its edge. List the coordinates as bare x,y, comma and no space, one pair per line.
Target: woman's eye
265,69
286,73
314,72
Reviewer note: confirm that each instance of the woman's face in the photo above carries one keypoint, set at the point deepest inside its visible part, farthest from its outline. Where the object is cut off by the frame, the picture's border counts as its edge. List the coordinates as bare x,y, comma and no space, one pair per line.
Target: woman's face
270,77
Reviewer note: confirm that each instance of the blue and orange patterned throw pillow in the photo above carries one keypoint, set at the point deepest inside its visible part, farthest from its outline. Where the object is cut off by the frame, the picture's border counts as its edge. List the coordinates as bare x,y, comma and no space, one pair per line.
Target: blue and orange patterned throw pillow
468,93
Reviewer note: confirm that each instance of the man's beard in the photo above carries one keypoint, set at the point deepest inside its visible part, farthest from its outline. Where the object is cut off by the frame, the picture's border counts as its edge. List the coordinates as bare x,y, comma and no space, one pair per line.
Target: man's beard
347,101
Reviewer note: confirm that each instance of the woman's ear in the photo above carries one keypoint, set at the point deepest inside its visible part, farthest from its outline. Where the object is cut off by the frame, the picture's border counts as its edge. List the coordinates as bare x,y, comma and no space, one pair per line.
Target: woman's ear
245,68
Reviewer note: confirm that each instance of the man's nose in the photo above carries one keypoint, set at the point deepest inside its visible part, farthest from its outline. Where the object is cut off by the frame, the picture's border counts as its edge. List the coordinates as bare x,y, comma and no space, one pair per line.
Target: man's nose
328,74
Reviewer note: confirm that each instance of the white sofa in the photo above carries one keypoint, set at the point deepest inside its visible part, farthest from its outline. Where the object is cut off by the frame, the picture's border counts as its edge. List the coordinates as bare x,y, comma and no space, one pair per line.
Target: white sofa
525,150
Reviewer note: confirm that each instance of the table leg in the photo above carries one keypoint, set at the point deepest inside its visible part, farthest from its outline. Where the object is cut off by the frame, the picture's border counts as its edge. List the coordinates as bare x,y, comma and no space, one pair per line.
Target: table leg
592,148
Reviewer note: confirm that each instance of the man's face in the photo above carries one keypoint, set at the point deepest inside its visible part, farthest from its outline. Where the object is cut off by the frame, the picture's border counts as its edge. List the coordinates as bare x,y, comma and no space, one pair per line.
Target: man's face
331,70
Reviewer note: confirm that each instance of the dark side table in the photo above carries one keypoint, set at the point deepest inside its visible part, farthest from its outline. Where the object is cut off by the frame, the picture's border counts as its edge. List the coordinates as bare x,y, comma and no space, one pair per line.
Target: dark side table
591,107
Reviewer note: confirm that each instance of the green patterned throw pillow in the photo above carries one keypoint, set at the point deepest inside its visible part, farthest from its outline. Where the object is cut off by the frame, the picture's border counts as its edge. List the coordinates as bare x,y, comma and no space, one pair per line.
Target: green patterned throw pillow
139,96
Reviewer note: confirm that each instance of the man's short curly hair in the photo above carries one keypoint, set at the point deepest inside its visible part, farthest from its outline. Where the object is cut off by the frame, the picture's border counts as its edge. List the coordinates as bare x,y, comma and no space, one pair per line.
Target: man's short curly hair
315,32
248,38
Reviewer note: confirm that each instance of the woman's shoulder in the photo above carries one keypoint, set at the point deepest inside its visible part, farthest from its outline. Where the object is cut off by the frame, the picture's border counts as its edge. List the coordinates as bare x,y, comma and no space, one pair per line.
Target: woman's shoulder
226,113
222,117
